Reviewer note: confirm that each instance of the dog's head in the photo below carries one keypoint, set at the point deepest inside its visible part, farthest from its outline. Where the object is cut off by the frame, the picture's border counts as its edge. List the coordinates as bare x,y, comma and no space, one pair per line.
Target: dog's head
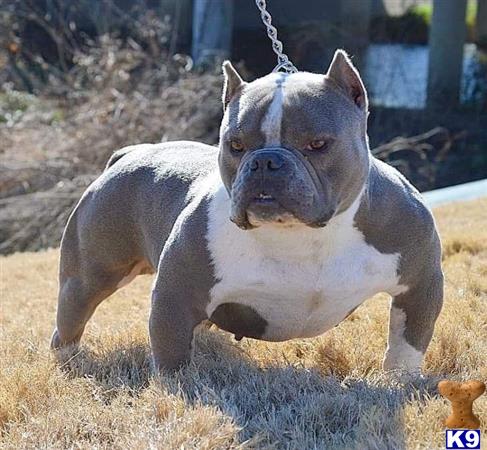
293,147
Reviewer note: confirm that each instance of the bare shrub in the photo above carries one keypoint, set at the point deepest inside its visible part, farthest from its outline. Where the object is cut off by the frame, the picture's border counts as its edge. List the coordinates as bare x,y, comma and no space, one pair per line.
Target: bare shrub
111,92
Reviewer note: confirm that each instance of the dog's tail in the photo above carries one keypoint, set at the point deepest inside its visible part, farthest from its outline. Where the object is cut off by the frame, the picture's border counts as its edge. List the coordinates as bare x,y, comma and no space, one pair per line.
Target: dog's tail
119,154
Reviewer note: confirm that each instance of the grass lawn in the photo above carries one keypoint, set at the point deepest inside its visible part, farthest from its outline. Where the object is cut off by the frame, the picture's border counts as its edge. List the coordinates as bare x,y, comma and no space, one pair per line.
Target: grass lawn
326,392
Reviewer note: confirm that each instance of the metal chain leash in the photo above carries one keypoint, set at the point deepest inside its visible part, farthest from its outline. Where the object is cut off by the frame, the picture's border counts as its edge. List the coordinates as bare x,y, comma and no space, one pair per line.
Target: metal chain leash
283,62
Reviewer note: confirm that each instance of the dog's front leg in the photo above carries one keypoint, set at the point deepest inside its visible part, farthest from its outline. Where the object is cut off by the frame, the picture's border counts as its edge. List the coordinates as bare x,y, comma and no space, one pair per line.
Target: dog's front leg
181,290
171,324
412,319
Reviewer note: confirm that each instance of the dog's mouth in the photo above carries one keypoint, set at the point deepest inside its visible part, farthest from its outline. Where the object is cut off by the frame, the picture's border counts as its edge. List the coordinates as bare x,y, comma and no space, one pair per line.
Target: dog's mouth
264,198
264,208
267,209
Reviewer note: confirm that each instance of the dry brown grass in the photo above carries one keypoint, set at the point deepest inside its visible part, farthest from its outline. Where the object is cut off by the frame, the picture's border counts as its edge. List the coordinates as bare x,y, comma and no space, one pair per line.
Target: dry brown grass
326,392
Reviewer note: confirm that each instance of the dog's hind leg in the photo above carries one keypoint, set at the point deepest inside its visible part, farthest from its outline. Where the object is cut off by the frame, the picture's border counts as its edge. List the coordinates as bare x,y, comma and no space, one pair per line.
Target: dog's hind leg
79,295
92,267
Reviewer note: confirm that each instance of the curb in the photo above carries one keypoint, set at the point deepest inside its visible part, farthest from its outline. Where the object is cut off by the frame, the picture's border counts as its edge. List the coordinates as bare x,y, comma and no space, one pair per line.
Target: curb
461,192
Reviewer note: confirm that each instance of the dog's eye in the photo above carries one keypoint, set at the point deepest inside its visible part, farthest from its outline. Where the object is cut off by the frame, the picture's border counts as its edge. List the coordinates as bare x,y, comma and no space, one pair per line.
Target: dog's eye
236,145
318,144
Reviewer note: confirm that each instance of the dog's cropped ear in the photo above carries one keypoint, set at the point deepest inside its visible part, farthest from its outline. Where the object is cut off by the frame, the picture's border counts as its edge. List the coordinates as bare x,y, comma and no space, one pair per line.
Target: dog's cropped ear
346,77
232,83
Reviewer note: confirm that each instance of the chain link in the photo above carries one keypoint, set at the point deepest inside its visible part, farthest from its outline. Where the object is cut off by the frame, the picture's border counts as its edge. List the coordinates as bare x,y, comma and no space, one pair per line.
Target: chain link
283,62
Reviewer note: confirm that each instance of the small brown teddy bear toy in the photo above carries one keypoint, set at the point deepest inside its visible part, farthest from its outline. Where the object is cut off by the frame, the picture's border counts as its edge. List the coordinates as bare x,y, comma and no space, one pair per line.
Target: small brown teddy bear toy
461,396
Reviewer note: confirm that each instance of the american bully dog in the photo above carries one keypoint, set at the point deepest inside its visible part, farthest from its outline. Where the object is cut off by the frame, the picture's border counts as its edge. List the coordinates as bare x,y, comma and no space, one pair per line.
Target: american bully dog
279,233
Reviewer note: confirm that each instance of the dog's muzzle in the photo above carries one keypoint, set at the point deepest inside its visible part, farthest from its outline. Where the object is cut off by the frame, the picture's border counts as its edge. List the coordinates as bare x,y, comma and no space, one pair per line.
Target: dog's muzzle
272,185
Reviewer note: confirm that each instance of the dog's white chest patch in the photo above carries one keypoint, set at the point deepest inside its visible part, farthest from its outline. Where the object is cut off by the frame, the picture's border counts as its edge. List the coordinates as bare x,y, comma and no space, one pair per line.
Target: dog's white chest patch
301,281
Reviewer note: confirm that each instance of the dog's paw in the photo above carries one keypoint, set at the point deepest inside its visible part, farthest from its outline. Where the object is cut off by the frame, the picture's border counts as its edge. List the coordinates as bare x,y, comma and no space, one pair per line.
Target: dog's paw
55,340
405,377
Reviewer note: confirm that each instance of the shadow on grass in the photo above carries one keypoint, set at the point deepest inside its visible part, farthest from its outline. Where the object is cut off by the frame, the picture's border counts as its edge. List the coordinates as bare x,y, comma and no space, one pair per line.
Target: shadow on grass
277,406
123,367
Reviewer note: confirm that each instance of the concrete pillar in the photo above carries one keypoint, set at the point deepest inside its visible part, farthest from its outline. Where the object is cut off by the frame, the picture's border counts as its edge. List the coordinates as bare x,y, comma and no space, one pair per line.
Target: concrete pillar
212,31
446,41
481,23
355,21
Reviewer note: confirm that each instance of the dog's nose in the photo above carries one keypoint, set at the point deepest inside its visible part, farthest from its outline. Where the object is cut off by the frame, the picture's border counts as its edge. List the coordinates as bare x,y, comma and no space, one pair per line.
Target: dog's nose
266,161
